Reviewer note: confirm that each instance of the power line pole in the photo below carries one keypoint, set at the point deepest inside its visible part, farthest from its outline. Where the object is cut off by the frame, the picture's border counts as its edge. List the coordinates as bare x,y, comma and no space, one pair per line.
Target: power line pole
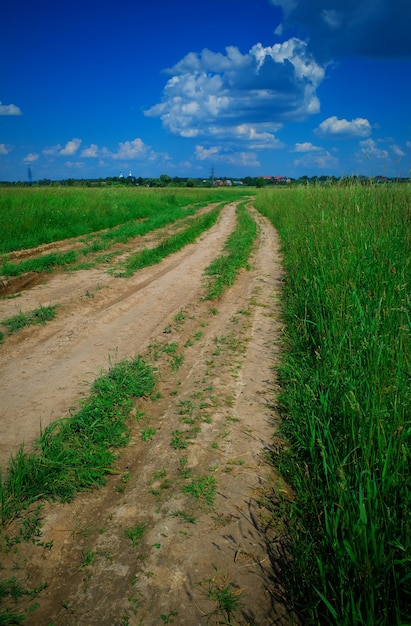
212,175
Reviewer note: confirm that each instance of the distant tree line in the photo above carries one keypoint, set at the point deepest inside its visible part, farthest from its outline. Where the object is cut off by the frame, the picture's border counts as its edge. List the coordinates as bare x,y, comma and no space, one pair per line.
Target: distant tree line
167,181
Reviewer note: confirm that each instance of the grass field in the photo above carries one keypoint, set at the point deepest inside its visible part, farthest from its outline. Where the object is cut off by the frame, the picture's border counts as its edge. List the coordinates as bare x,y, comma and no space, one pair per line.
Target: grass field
346,399
34,216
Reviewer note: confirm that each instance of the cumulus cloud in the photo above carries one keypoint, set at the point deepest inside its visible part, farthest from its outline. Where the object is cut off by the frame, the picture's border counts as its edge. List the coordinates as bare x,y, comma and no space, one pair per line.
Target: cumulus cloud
91,151
245,97
9,109
321,161
4,149
31,157
369,149
358,127
129,150
352,27
71,147
225,155
306,147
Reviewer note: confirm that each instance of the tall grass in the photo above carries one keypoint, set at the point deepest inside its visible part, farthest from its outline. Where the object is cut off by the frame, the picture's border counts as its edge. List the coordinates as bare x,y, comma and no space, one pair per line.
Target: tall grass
346,399
34,216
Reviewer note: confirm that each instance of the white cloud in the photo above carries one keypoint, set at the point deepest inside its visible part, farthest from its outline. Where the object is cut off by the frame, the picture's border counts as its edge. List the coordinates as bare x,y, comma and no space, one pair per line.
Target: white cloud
31,157
324,161
358,127
9,109
4,149
74,164
71,147
204,154
129,150
369,149
306,147
91,151
246,97
216,154
397,151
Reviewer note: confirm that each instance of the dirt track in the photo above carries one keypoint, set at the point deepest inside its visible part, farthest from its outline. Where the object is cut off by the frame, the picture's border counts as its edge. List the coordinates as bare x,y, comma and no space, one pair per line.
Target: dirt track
224,388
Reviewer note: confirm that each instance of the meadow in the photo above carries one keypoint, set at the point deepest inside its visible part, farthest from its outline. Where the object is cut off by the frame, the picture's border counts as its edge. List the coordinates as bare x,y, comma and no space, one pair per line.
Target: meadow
33,216
344,375
346,399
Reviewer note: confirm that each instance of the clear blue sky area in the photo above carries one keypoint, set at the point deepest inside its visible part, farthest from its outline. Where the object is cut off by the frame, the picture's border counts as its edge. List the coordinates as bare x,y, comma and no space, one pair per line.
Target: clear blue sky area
248,87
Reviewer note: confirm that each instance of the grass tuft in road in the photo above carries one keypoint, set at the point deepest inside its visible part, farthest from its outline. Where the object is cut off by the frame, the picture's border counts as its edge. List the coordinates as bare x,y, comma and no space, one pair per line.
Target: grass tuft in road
224,269
76,453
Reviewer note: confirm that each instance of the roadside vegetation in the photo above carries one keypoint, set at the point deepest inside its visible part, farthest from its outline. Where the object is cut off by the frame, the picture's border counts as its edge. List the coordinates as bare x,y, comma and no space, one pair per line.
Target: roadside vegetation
346,399
169,245
223,271
77,452
41,315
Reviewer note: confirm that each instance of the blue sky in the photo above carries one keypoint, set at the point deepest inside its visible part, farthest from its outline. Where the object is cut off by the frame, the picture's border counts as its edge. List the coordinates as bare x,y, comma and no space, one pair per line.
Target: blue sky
249,87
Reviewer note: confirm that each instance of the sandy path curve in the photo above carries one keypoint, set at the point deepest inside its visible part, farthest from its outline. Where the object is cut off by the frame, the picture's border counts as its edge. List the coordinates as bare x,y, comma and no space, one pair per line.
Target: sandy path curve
44,370
219,400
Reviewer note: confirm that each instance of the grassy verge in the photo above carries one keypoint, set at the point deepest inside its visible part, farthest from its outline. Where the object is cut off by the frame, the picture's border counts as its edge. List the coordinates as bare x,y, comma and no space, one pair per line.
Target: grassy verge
346,400
170,245
224,270
95,243
38,316
76,453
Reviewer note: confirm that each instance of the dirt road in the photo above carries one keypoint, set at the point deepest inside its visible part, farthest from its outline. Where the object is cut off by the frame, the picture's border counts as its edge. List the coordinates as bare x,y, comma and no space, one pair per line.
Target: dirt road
198,486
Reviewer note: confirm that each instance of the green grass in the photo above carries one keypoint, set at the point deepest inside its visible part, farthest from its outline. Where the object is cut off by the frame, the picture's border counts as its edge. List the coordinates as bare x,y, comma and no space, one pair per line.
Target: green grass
40,215
171,244
77,453
346,399
223,270
42,315
201,488
135,534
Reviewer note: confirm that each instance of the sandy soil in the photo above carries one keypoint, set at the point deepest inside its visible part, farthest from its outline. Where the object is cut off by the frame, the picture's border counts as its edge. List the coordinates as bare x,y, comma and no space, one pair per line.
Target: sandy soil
222,393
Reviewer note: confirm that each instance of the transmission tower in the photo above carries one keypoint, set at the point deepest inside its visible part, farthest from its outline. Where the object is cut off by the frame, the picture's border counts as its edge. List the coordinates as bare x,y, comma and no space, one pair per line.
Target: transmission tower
29,175
212,175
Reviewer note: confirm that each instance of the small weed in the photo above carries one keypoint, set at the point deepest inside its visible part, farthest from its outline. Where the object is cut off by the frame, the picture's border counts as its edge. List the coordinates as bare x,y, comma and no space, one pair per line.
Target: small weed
87,559
201,488
225,595
177,361
168,618
178,441
187,517
184,471
135,534
180,317
162,474
148,434
38,316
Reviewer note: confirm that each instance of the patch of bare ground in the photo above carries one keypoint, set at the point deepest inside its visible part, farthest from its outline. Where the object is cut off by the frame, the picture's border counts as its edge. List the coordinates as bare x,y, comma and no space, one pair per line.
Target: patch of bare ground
181,530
